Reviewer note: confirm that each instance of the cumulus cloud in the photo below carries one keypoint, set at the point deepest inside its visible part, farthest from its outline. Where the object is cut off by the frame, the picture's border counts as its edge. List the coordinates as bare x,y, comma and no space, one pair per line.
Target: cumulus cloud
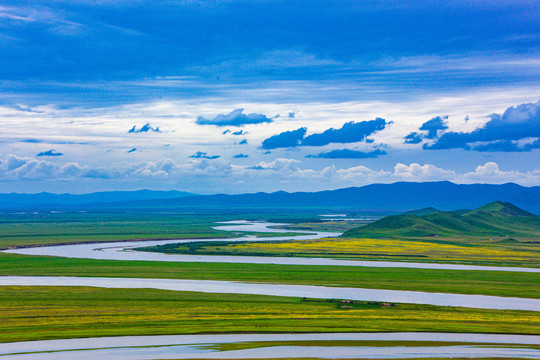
349,154
20,168
145,128
280,164
51,152
435,125
491,173
285,139
203,155
500,133
431,130
419,172
16,168
163,168
413,138
234,118
240,156
349,133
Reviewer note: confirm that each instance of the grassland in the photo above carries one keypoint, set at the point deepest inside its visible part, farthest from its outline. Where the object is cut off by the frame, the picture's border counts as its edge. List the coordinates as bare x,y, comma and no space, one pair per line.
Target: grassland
31,313
333,343
496,219
17,230
497,283
495,234
476,251
36,313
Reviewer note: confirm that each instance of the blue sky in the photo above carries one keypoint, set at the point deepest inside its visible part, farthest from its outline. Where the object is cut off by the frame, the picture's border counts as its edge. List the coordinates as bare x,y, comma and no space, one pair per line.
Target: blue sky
237,96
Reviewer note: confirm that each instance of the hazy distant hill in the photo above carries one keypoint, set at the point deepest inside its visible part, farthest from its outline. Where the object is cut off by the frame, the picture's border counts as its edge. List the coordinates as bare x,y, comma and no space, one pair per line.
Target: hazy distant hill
494,219
396,197
45,199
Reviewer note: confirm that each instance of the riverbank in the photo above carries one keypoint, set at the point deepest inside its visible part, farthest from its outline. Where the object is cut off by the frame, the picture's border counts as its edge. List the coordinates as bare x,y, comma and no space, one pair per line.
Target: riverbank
39,313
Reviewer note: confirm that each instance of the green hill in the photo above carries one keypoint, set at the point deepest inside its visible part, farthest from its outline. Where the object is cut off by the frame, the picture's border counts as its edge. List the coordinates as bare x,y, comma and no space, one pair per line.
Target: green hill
494,219
424,211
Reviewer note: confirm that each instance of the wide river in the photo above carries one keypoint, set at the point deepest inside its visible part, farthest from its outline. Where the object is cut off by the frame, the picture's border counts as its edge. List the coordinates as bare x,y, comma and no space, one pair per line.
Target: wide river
205,346
125,251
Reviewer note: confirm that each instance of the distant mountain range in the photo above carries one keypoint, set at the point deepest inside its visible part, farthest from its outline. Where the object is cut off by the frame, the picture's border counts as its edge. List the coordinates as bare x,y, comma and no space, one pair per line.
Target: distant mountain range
494,219
49,200
397,197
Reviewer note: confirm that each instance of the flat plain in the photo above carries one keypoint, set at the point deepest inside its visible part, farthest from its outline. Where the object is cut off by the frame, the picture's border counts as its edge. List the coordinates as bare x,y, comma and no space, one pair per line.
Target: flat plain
37,313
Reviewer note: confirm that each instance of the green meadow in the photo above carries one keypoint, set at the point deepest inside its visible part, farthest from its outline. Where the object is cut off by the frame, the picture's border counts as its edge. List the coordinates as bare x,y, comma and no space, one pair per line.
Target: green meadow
19,230
35,313
38,313
498,234
498,283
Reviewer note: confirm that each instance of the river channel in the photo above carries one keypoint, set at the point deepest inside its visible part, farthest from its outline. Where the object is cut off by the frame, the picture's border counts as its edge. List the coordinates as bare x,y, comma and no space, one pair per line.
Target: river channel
126,251
444,345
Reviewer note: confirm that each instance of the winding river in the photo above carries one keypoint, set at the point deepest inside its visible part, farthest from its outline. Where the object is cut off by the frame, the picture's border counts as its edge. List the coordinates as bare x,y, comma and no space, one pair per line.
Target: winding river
309,291
204,346
125,251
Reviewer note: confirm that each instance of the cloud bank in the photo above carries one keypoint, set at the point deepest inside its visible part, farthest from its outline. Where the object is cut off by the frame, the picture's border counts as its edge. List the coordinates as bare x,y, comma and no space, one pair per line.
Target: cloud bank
291,171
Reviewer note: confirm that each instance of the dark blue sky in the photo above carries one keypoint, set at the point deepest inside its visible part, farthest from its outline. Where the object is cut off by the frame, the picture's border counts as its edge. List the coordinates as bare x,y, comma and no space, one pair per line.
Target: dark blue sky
85,72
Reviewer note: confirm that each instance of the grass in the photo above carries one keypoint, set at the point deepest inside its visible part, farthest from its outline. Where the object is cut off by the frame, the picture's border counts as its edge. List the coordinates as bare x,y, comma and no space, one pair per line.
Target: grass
360,343
31,229
498,283
39,313
32,313
494,219
19,230
369,249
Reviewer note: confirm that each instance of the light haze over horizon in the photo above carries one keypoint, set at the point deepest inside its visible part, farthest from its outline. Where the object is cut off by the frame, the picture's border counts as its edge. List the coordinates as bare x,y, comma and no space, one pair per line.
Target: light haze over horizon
244,96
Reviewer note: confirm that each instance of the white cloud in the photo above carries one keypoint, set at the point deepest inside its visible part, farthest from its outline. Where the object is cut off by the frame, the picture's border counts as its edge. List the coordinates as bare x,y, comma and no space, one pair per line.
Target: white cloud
15,167
490,173
264,176
282,165
417,172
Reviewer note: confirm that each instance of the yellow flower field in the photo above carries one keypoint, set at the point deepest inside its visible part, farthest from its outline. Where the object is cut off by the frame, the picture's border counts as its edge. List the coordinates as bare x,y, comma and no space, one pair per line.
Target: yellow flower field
384,248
